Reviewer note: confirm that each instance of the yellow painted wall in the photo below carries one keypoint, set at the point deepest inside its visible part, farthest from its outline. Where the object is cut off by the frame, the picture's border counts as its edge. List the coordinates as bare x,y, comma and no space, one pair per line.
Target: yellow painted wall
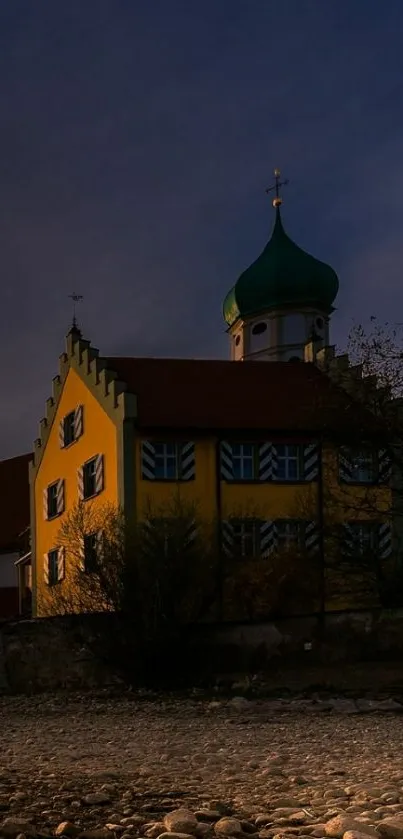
271,500
200,491
99,437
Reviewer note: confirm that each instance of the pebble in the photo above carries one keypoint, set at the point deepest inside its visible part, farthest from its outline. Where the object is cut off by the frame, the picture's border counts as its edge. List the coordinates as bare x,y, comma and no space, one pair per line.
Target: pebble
100,768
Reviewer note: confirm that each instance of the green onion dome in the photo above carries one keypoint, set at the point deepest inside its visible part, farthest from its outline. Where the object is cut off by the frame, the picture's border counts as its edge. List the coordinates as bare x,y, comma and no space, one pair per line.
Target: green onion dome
283,276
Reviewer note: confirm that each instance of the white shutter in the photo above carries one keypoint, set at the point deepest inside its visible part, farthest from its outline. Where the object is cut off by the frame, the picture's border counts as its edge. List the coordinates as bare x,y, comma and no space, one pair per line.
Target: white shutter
61,433
61,564
80,481
60,496
78,422
81,557
45,503
99,473
46,569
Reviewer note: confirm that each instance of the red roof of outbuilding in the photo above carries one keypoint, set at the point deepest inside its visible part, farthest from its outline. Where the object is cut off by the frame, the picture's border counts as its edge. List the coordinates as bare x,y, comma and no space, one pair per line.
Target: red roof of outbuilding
204,394
14,495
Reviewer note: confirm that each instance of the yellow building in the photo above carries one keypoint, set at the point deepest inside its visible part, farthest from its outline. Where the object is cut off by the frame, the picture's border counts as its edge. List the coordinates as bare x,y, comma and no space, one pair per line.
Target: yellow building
278,438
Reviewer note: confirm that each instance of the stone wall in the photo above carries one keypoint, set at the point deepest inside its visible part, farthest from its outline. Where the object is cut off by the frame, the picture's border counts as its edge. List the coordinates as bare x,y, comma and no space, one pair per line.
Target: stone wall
65,653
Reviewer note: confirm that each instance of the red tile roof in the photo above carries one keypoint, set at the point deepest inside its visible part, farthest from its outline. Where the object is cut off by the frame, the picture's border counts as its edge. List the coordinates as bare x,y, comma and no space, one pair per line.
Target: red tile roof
14,495
201,394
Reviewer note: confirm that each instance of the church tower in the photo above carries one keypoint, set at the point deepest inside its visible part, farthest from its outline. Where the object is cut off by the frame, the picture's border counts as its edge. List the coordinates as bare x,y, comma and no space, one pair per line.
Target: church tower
282,301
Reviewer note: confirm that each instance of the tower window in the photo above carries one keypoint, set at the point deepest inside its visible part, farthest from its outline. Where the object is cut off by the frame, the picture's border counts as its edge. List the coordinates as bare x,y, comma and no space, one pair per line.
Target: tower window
237,340
259,328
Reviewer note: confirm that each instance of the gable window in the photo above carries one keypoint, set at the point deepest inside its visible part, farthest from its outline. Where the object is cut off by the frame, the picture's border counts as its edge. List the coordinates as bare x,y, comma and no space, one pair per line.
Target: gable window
90,553
289,467
71,427
91,477
52,501
289,533
246,538
90,474
54,566
68,427
244,461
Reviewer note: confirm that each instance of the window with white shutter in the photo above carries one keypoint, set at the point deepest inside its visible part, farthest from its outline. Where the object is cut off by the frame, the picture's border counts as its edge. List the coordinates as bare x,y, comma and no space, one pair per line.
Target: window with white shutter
71,427
91,477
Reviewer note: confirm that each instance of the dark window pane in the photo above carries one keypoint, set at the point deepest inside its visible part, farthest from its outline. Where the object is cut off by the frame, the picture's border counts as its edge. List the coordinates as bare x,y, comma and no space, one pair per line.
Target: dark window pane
52,501
53,567
89,478
90,553
69,428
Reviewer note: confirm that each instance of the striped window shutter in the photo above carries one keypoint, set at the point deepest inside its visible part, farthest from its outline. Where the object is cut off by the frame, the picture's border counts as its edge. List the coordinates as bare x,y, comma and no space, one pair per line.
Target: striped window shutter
99,473
60,496
46,569
226,467
385,540
191,532
61,564
45,503
311,537
267,461
100,544
347,536
384,466
78,422
227,538
311,462
187,461
147,461
345,465
81,554
61,433
268,537
80,481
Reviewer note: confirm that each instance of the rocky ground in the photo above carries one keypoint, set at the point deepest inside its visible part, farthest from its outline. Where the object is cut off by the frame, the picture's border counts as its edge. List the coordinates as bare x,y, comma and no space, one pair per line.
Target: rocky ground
139,767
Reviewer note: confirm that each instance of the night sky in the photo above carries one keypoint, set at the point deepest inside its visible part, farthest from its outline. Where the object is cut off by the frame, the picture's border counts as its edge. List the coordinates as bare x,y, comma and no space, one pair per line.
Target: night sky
137,138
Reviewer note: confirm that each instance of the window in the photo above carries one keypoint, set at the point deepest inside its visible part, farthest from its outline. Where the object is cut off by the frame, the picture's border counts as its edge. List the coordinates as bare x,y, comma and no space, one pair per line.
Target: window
69,429
288,534
289,462
246,538
90,553
53,499
363,467
361,537
244,461
91,477
52,505
54,566
166,461
259,328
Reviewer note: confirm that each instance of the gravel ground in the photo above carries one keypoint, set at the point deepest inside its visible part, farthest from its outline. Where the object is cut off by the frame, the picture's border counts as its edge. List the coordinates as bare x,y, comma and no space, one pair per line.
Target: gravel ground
120,766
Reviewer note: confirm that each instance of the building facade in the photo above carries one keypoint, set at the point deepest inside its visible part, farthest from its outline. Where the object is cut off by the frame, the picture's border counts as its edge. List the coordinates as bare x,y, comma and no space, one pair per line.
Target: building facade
279,455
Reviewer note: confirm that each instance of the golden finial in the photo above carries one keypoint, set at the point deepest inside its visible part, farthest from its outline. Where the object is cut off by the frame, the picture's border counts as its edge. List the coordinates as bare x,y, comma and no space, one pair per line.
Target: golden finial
277,201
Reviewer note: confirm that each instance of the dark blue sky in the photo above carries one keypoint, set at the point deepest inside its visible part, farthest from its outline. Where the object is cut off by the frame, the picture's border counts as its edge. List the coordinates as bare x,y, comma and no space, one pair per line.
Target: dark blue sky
137,137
